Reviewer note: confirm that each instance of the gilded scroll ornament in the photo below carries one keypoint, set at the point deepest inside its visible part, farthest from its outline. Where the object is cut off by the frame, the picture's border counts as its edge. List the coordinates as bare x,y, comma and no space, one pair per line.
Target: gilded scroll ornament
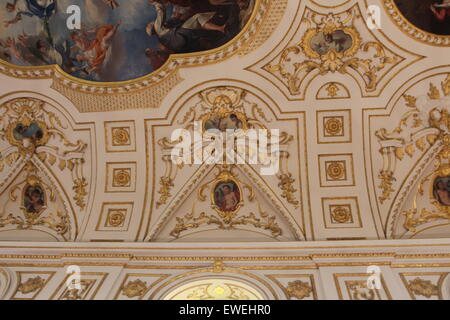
227,197
439,196
35,199
332,43
34,132
425,123
223,109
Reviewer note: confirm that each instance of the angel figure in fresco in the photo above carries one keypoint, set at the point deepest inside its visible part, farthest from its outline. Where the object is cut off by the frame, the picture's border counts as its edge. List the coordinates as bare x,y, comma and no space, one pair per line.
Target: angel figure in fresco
43,9
94,52
441,11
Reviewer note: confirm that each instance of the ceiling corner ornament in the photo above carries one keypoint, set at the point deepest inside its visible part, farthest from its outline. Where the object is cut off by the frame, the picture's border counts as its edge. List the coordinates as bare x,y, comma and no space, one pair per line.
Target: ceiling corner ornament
227,197
332,43
411,30
425,124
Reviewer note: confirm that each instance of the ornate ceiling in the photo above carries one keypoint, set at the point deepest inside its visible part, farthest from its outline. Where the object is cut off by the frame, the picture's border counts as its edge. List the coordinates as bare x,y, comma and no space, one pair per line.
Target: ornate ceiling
362,113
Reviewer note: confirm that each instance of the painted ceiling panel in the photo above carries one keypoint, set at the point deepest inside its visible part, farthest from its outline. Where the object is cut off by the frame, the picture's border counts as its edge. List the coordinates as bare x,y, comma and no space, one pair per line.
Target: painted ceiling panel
115,40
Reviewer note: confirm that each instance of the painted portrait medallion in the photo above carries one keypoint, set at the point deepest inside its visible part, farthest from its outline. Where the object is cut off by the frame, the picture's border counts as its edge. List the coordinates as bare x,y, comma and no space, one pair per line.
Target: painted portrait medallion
26,133
34,199
116,40
338,41
227,196
229,121
432,16
441,190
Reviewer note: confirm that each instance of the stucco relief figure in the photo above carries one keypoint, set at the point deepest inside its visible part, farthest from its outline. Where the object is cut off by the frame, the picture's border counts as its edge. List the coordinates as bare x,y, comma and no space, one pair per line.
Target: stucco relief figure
441,190
34,199
429,15
35,33
227,196
338,41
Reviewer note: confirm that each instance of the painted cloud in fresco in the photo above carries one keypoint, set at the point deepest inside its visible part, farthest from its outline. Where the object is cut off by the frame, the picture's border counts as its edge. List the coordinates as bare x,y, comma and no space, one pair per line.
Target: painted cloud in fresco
118,40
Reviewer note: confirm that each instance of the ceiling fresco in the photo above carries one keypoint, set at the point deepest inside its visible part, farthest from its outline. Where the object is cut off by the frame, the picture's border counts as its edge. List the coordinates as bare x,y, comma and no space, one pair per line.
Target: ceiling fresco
428,15
116,40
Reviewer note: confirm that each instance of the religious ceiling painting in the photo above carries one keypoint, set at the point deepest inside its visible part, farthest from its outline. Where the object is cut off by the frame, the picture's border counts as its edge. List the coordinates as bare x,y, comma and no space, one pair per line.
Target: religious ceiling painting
116,40
428,15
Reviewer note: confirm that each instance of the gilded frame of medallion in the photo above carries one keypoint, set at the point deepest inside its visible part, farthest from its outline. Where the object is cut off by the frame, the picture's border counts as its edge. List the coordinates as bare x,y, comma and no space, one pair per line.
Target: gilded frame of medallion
406,27
226,177
26,122
440,173
223,114
329,29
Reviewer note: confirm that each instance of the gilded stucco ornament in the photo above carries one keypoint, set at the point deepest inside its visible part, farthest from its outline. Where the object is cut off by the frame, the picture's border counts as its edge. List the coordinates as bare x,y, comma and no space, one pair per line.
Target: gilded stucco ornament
31,285
332,43
224,108
34,132
359,291
299,289
227,197
423,287
36,196
425,123
136,288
